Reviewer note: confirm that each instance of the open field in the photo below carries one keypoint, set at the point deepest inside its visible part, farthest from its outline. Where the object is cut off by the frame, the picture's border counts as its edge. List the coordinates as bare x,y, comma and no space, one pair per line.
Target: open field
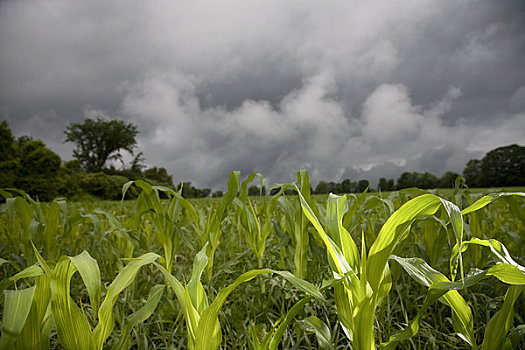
411,269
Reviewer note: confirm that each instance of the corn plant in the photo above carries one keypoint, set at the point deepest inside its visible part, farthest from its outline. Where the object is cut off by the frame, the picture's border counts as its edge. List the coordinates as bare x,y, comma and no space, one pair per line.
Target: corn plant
366,276
296,224
256,219
26,323
201,317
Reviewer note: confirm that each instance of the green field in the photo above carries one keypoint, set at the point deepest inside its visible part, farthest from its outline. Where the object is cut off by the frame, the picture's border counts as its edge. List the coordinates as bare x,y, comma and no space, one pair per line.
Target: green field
411,269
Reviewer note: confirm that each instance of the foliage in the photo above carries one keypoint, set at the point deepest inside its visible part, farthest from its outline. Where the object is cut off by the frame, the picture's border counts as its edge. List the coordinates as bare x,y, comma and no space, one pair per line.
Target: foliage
99,141
102,185
406,269
503,166
386,185
472,173
159,176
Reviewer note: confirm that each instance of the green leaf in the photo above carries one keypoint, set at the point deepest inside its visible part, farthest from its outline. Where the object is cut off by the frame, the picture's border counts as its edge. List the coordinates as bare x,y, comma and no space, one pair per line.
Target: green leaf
90,273
37,329
17,305
462,318
207,336
195,289
338,259
500,324
31,271
140,315
106,320
72,326
485,200
392,232
322,332
274,341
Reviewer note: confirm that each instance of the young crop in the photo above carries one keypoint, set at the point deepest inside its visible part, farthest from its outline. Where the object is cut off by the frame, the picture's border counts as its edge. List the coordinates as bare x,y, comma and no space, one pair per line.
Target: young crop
366,278
296,224
28,312
202,318
455,265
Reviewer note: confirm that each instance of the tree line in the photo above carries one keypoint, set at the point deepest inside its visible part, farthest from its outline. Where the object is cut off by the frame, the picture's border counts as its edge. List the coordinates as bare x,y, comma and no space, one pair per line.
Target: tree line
27,164
501,167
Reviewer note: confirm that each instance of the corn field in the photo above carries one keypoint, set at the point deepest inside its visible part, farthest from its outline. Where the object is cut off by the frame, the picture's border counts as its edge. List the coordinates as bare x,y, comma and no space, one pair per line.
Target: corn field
410,269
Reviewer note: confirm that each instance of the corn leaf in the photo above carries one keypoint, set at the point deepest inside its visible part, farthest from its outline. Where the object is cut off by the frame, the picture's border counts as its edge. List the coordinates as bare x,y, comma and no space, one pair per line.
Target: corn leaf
273,342
17,305
322,332
501,322
207,336
485,200
106,320
73,328
462,318
140,316
90,273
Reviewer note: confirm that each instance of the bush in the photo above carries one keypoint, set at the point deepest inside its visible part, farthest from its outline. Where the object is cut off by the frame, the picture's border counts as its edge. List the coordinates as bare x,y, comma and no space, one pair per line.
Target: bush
102,185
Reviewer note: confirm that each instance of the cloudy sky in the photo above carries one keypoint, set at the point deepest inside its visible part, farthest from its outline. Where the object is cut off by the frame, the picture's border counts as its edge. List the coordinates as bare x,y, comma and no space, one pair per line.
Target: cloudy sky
345,89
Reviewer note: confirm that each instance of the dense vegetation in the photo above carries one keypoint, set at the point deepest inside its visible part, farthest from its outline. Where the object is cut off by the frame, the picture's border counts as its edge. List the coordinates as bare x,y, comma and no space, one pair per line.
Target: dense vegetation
29,165
412,268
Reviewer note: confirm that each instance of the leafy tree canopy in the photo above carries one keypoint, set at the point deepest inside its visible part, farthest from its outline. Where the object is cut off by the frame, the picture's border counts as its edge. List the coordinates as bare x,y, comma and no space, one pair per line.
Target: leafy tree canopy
99,141
504,166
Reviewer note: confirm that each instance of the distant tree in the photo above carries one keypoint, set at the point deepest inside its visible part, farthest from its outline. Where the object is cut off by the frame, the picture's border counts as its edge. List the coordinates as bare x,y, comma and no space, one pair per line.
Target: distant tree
448,179
406,180
386,185
37,159
332,187
347,186
504,166
362,185
159,175
427,180
205,192
38,173
472,173
9,163
98,141
256,191
7,142
217,194
188,191
322,188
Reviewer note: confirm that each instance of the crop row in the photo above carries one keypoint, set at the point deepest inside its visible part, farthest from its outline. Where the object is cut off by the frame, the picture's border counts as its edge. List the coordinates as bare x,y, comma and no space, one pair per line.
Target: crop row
356,271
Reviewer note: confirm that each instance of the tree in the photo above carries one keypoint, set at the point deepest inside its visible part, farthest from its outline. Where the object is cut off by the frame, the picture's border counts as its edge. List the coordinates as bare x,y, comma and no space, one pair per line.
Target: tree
472,172
504,166
406,180
322,188
386,185
9,164
448,179
98,141
427,180
38,173
362,185
159,175
347,186
256,191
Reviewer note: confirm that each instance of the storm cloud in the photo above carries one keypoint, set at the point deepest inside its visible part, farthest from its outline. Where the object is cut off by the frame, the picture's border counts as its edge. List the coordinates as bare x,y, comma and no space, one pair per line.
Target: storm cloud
342,88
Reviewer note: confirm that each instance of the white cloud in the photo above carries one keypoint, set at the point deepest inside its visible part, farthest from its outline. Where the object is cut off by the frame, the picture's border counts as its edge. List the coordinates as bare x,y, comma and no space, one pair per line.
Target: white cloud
271,86
308,128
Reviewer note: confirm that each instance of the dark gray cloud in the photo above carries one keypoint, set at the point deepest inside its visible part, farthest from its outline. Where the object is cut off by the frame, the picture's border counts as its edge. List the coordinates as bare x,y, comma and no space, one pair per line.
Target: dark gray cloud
345,89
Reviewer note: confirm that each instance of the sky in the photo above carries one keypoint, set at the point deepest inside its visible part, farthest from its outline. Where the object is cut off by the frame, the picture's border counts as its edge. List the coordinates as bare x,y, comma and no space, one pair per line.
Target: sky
344,89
